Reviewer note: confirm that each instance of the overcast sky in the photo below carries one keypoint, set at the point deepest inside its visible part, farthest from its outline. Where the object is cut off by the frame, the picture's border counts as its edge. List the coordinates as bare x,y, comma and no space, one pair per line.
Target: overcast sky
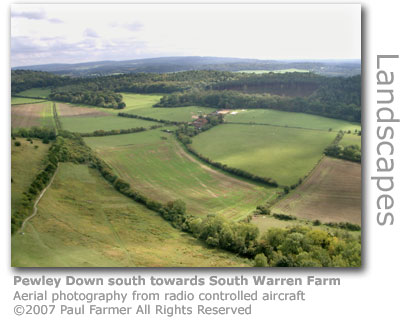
42,34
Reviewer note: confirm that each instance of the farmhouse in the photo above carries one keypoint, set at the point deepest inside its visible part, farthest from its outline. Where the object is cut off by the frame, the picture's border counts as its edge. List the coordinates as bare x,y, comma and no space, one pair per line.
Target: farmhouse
200,122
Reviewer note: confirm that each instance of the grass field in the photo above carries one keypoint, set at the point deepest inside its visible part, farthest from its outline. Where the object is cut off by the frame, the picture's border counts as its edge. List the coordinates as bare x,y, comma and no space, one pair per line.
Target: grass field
135,101
29,115
281,153
332,193
350,139
36,92
290,119
83,222
155,164
26,163
19,100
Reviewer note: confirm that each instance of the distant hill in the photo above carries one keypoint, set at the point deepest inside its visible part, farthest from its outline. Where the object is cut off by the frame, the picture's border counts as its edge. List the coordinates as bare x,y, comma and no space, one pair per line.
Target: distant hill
176,64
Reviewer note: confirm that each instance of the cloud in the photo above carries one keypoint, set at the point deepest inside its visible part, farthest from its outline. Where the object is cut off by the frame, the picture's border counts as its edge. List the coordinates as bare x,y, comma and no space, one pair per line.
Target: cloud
134,26
90,33
34,15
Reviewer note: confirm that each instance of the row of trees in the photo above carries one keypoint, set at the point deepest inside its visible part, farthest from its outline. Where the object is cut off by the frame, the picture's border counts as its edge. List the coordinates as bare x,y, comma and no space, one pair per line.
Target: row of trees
101,133
135,116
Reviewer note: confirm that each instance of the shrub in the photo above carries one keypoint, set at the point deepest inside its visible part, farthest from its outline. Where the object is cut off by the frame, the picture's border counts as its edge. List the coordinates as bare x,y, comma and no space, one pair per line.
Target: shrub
17,143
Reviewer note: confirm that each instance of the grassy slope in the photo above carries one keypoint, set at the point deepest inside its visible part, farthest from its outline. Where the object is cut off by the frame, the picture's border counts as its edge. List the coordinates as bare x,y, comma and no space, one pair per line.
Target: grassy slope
162,170
26,163
281,153
83,222
291,119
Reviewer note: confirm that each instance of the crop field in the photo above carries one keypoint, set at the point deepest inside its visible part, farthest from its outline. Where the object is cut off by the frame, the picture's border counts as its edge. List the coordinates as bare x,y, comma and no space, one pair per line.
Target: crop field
83,119
283,154
332,193
26,163
290,119
154,163
35,93
83,222
29,115
350,139
19,100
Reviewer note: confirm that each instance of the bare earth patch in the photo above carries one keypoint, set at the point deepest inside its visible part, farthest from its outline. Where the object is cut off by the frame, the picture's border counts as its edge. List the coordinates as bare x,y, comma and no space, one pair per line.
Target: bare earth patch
26,115
66,110
332,193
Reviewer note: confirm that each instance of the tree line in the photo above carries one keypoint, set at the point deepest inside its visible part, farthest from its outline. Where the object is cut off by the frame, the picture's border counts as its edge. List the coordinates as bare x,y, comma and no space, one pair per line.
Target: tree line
102,133
135,116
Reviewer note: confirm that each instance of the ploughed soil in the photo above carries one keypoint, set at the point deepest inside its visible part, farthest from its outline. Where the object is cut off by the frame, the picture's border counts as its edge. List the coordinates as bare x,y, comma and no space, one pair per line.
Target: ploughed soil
66,110
332,193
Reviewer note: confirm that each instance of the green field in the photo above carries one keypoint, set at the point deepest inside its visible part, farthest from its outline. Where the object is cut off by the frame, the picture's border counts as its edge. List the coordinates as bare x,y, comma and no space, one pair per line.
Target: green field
26,162
36,93
283,154
290,119
350,139
83,222
19,100
154,163
135,101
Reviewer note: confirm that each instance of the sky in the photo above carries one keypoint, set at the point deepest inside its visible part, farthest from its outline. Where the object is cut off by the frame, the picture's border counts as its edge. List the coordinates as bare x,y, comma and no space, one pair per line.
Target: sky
68,33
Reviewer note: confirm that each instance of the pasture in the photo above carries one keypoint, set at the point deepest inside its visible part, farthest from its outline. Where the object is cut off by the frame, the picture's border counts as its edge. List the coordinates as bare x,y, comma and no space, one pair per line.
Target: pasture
154,163
83,222
332,193
27,161
289,119
30,115
283,154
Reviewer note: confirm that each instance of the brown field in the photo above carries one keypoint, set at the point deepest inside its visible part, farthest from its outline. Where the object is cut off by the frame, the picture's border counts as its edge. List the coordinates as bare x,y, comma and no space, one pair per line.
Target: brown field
27,115
332,193
66,110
